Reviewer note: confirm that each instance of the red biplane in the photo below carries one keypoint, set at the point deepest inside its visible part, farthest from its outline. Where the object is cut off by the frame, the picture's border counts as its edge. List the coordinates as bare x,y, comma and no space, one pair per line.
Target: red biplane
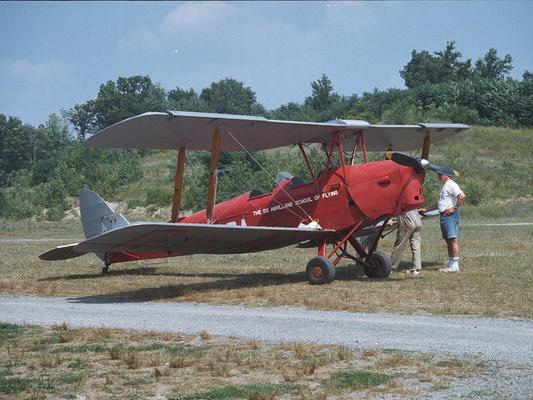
336,207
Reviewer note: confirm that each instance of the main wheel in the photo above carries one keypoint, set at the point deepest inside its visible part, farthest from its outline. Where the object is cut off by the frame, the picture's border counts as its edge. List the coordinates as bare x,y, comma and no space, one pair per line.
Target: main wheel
320,271
379,266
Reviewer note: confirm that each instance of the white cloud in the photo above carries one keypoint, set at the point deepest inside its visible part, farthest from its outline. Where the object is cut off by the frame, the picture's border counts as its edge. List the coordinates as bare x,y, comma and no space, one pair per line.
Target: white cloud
195,15
23,69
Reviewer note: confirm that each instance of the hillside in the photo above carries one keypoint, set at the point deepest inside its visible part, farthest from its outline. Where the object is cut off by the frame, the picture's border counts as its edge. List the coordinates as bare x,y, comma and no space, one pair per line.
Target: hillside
496,167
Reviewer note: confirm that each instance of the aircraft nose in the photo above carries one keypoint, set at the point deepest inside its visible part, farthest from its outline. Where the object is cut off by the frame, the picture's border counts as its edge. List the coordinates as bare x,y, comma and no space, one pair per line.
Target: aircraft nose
413,194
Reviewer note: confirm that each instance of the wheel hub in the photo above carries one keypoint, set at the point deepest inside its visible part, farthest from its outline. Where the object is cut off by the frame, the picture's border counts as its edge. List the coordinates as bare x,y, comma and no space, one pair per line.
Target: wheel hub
317,272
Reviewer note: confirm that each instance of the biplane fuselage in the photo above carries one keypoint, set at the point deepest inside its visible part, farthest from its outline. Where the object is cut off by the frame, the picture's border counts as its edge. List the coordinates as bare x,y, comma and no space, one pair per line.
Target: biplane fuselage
339,199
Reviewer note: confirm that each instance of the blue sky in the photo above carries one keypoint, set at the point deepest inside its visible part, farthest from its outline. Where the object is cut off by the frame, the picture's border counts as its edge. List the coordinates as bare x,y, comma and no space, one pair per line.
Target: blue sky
56,54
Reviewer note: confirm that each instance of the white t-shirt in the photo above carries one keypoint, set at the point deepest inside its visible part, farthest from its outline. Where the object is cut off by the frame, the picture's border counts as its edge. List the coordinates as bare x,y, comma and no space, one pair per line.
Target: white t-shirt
448,195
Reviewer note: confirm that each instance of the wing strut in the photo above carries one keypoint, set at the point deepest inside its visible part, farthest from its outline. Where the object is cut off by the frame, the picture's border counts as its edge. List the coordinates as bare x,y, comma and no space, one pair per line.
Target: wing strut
213,175
178,185
426,146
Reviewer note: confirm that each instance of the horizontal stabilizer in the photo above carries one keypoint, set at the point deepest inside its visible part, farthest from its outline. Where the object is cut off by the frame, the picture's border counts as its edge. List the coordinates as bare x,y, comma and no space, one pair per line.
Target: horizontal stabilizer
61,253
185,239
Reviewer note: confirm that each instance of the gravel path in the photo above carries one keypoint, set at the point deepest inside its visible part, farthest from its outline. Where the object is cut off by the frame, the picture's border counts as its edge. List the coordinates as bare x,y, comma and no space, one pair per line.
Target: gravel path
498,339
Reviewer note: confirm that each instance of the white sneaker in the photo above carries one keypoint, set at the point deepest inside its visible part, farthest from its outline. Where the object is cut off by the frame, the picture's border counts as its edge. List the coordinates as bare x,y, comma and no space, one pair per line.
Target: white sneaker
448,269
413,272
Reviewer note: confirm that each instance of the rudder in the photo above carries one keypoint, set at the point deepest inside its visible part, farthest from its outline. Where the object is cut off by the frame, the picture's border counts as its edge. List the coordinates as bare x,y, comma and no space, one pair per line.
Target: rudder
96,215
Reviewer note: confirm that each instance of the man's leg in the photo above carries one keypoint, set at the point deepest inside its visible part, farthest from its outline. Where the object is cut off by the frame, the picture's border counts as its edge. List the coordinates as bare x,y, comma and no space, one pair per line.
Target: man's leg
453,247
415,249
402,236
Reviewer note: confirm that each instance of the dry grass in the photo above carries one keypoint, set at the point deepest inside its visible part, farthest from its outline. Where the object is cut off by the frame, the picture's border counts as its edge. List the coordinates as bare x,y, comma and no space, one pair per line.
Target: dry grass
148,365
495,278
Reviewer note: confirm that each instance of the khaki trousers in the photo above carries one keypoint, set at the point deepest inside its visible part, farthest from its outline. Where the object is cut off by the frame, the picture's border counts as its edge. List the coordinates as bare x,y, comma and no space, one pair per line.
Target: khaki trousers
410,225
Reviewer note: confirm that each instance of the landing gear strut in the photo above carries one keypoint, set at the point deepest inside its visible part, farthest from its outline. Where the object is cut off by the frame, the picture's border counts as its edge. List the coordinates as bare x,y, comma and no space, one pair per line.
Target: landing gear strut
107,263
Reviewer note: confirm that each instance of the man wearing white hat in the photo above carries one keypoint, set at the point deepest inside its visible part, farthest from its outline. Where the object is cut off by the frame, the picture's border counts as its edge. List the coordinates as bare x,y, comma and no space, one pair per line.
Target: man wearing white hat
451,197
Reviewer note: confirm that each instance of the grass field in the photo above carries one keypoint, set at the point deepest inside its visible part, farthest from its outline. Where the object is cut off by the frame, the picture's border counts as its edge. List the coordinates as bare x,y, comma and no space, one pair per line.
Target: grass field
60,362
495,278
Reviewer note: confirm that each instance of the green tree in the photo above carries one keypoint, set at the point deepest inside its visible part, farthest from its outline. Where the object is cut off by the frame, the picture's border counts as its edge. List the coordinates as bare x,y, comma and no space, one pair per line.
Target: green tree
230,96
83,118
441,66
493,67
322,96
16,148
116,101
184,100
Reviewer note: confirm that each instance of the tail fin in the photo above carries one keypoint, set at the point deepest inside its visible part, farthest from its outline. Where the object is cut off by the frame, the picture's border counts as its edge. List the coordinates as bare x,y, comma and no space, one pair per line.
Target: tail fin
96,215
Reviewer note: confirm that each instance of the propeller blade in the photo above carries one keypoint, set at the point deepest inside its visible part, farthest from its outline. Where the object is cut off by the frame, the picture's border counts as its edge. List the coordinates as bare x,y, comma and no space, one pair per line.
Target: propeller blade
419,164
440,169
402,159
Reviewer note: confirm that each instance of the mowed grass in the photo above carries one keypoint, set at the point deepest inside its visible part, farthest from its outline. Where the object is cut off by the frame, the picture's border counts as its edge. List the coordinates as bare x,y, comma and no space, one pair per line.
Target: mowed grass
495,278
39,363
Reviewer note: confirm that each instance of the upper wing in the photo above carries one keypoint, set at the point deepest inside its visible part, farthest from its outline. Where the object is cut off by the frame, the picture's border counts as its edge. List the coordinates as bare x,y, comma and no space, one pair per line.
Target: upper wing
194,131
184,239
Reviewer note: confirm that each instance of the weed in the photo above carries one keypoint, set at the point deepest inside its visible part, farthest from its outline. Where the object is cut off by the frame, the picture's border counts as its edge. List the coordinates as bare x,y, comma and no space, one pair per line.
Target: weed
71,378
221,369
344,353
50,361
85,348
65,337
10,331
131,359
14,385
115,352
356,380
136,382
15,353
61,327
242,391
78,364
310,365
395,359
176,362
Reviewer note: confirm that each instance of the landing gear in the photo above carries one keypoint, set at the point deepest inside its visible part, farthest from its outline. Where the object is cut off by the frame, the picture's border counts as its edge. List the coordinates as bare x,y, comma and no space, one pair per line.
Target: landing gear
320,271
107,263
378,266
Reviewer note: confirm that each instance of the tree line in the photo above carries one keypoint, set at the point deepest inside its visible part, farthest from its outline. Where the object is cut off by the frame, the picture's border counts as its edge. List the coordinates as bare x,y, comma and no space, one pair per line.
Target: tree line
40,166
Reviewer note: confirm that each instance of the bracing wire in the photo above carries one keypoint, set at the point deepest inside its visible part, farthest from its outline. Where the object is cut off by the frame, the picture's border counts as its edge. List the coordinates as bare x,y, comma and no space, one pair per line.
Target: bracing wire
271,176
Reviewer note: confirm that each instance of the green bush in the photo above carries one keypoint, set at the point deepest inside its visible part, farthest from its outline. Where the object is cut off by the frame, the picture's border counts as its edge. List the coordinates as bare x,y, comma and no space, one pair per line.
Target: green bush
159,197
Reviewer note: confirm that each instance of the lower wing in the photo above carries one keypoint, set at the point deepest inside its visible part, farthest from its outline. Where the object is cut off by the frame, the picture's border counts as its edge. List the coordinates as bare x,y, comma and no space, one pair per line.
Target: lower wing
186,239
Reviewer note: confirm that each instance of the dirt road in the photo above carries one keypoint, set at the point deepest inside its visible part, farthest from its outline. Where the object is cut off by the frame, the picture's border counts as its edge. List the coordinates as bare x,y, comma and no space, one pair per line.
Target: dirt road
498,339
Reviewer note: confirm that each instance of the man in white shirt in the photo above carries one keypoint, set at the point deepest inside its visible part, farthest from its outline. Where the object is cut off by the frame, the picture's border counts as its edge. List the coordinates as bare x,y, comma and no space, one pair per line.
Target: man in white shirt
451,197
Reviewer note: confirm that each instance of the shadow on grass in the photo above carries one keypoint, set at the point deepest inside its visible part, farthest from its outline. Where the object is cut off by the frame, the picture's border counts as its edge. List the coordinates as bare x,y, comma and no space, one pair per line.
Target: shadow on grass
228,282
153,271
404,265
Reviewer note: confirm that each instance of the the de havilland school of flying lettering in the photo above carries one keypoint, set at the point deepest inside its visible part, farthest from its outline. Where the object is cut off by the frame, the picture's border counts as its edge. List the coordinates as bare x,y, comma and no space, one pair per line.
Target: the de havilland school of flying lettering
342,211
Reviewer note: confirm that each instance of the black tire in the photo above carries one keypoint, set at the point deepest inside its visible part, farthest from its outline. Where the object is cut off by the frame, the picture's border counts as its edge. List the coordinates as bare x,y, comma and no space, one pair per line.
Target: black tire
320,271
380,266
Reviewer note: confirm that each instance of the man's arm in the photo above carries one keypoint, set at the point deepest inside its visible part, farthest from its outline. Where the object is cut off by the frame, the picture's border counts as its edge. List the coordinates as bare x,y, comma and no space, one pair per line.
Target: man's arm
425,210
460,200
